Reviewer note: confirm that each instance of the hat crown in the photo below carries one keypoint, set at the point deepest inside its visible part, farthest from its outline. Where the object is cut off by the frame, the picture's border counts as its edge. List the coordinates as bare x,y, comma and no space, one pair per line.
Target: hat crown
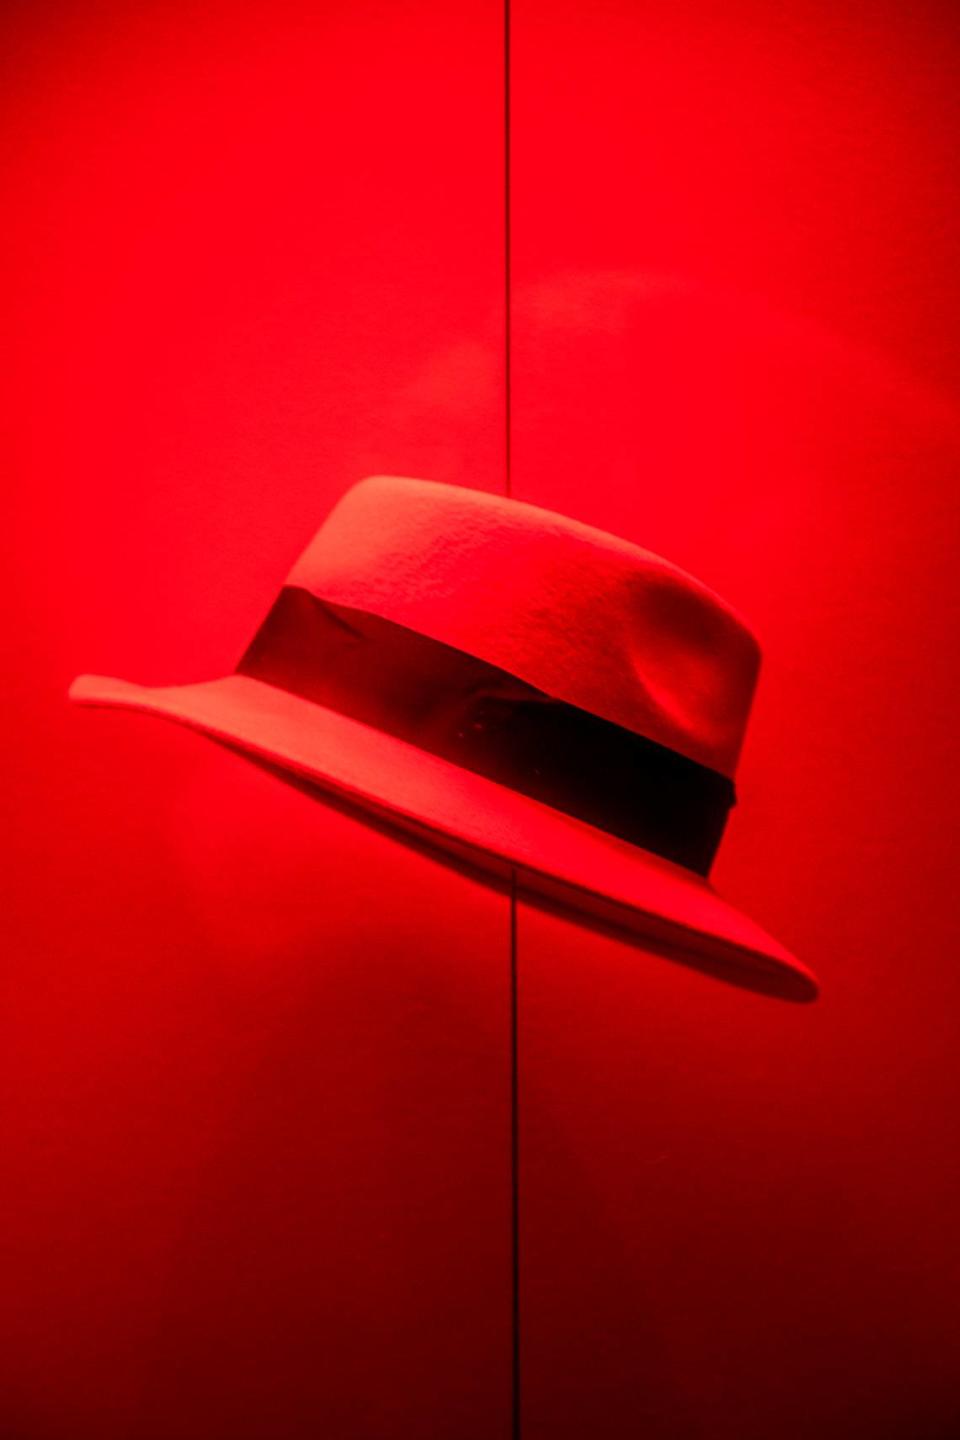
587,618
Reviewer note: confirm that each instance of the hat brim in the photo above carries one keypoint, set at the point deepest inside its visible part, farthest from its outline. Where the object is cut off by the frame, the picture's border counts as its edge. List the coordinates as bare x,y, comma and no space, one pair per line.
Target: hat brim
554,855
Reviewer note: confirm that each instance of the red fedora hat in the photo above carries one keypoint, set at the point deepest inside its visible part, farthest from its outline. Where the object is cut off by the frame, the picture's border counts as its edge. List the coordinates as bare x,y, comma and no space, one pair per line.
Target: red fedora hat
526,691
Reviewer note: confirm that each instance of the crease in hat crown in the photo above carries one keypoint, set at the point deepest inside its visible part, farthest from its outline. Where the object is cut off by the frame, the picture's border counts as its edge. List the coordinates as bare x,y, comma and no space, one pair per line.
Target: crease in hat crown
584,616
579,614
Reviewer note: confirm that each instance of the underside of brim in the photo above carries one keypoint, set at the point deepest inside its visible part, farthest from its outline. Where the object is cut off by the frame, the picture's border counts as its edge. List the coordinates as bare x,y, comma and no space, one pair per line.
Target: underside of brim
556,857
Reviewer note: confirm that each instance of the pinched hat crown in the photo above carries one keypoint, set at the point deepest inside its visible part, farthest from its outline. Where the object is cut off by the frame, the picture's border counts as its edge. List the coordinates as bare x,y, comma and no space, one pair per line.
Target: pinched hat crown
533,695
586,618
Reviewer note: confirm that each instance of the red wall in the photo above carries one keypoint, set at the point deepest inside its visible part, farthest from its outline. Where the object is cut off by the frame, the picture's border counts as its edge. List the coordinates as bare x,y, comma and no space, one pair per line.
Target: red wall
255,1056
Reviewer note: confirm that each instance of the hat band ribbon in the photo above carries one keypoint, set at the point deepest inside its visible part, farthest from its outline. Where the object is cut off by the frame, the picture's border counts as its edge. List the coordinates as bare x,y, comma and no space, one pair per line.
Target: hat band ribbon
484,719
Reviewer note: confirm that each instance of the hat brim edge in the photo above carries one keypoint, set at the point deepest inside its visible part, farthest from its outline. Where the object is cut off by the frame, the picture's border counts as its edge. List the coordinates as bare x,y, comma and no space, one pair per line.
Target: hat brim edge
437,804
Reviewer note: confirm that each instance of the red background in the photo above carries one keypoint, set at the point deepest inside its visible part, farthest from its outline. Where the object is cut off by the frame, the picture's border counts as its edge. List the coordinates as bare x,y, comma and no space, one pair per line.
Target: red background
255,1056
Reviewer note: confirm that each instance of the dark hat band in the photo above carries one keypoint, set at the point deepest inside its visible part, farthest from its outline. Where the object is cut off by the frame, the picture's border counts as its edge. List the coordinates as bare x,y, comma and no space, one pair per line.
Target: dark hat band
486,720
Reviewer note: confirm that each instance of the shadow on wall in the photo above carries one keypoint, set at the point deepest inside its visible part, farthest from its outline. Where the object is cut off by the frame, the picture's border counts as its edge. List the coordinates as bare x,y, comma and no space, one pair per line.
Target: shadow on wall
624,381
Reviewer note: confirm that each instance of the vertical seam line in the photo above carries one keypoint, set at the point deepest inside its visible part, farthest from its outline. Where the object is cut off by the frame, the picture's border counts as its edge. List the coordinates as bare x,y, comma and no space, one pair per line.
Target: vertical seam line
514,992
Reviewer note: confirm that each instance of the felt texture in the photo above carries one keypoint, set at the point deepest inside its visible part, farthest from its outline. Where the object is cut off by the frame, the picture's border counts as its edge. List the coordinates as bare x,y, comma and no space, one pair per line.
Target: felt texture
585,617
582,615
